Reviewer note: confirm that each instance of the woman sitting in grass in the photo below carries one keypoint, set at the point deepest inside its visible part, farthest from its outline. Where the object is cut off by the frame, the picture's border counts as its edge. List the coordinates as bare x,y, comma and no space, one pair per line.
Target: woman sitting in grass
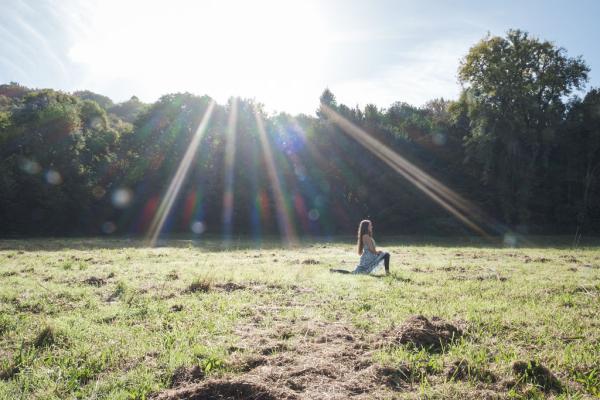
370,258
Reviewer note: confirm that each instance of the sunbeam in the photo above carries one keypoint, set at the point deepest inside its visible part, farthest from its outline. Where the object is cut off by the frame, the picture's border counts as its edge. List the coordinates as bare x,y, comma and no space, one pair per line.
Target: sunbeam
283,216
324,213
463,210
171,194
229,167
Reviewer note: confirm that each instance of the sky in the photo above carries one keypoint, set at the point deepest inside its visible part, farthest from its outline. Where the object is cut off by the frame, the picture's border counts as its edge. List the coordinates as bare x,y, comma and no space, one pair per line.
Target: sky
280,53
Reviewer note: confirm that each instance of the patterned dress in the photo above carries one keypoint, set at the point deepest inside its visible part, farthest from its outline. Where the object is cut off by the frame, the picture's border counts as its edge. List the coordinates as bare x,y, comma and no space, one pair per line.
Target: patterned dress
369,261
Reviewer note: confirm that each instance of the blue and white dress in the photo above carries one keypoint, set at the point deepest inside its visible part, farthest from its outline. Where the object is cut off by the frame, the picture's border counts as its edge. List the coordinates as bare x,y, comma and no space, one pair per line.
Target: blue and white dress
369,262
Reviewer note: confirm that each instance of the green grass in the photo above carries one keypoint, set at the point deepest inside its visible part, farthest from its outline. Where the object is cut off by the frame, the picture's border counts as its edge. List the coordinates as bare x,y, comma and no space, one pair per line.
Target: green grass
115,320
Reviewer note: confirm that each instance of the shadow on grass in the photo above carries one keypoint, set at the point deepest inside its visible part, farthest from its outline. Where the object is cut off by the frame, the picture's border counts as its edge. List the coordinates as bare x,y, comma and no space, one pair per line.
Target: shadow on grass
393,276
246,242
209,243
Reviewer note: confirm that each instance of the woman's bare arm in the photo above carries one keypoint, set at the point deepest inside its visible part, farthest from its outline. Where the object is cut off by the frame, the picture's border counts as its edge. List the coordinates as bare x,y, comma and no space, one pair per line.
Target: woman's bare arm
368,242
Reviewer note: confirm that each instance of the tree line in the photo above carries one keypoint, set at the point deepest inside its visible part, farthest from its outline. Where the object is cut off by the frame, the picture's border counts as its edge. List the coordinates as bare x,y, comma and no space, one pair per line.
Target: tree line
521,144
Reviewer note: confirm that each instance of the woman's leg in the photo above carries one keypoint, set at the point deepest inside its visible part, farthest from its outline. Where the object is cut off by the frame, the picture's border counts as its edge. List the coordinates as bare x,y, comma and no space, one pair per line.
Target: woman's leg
386,260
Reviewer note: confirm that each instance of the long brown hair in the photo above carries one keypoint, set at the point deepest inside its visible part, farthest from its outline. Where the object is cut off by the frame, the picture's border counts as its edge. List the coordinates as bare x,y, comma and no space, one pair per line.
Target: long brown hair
363,229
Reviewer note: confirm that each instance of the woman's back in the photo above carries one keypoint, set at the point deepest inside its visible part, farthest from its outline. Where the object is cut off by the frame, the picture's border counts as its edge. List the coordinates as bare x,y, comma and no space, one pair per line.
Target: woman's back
369,260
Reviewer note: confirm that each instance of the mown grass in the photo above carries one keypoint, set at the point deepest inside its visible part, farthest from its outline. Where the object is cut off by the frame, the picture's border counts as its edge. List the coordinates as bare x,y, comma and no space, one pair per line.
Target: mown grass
116,320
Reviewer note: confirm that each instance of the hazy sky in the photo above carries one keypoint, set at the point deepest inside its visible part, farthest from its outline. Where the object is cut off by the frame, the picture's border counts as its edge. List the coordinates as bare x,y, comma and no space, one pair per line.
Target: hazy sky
282,53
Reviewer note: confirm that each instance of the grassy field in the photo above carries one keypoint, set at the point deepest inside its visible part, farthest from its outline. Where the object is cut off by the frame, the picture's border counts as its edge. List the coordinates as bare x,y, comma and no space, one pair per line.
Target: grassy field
113,319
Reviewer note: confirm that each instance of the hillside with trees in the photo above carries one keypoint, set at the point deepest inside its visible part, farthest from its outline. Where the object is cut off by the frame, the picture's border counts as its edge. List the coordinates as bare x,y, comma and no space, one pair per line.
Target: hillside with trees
522,143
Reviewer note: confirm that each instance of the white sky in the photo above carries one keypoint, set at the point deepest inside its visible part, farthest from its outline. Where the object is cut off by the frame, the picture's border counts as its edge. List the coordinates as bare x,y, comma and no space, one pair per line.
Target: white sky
282,53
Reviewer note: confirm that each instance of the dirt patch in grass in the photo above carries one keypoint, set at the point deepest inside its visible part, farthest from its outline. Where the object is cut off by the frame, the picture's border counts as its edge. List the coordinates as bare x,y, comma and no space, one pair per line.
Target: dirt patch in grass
206,285
491,276
569,258
265,287
312,360
176,308
451,268
294,288
223,389
172,276
542,260
462,370
248,363
590,290
95,281
199,285
230,286
394,378
183,375
420,332
317,360
417,269
590,266
535,373
480,278
45,338
8,371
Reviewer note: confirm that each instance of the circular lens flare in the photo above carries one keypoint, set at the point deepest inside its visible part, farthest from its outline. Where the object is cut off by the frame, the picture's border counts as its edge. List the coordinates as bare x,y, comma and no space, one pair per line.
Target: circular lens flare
30,166
198,227
109,227
53,177
122,197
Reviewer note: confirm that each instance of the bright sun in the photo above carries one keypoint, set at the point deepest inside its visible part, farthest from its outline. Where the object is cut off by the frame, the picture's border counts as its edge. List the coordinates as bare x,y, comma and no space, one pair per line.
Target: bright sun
270,50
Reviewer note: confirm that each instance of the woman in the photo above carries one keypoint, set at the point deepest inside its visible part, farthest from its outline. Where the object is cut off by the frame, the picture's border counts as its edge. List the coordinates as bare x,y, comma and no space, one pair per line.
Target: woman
370,258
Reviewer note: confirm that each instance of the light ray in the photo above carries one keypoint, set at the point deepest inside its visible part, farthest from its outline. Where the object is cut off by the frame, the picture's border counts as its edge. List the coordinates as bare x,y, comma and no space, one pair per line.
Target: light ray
283,215
321,163
171,194
462,209
229,167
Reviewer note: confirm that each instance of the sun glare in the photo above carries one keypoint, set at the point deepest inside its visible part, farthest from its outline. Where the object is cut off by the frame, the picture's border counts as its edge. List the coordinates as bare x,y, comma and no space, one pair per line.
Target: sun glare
262,49
466,212
178,179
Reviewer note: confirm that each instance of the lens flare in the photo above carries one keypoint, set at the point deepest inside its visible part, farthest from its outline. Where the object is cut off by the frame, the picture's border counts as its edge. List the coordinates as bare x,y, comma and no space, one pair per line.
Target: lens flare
320,173
53,177
109,227
198,227
148,211
30,166
283,215
122,197
301,211
177,181
463,210
314,214
229,166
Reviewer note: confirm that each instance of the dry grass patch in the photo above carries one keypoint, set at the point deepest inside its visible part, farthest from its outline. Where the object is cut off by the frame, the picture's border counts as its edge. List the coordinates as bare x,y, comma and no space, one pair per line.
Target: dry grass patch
316,360
420,332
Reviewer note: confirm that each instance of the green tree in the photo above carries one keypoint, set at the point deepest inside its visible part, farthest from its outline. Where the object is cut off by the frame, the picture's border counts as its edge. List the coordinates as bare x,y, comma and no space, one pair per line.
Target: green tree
129,110
515,88
581,157
328,99
55,149
103,101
